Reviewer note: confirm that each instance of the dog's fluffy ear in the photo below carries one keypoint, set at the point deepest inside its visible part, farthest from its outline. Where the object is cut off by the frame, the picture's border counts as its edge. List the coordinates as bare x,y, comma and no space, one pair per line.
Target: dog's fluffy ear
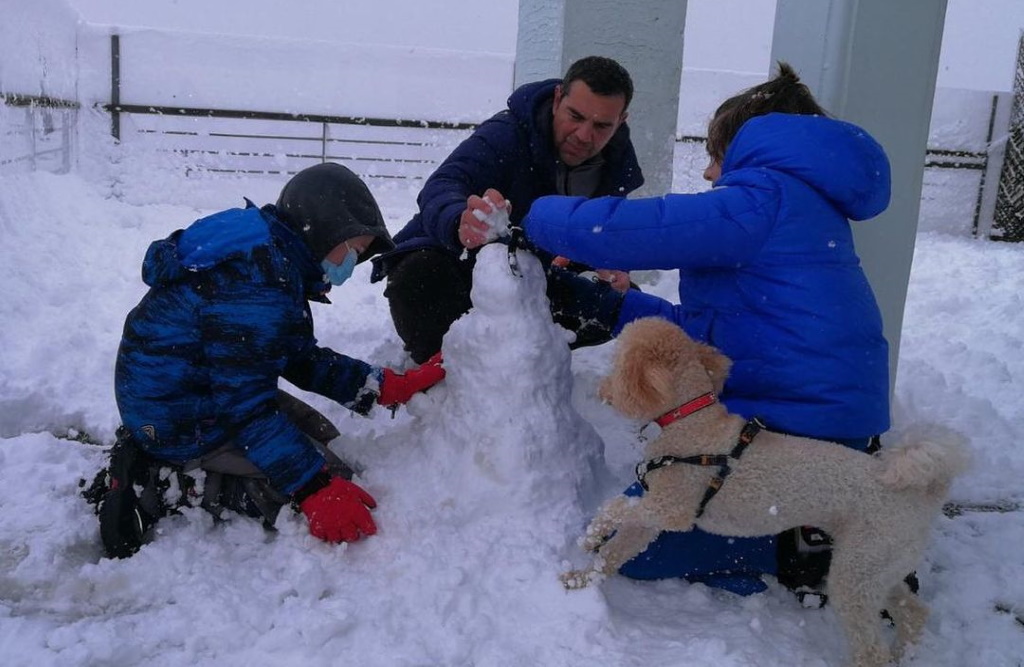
643,389
716,364
642,382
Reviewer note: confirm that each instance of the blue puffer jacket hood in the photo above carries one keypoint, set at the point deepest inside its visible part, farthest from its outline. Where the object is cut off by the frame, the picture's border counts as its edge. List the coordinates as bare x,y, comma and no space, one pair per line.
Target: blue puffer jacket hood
204,244
849,168
226,236
524,100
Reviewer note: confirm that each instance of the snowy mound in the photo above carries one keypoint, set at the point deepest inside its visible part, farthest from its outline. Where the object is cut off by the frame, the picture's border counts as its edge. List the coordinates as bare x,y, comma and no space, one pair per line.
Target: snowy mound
506,470
508,411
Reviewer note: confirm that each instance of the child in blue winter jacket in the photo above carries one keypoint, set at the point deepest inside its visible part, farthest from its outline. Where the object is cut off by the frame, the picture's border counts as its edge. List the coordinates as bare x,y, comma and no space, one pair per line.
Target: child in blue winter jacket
226,317
768,274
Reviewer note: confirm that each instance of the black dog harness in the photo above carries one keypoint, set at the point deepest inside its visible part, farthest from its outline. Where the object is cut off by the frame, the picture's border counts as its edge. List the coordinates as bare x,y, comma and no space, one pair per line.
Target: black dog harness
747,434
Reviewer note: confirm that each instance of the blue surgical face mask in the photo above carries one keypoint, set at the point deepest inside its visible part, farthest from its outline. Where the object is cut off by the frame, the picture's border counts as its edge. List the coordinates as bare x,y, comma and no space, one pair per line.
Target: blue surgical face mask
339,273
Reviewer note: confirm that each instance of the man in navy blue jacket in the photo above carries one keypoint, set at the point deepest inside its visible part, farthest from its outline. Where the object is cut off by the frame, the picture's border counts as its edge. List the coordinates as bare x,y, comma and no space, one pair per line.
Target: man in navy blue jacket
566,137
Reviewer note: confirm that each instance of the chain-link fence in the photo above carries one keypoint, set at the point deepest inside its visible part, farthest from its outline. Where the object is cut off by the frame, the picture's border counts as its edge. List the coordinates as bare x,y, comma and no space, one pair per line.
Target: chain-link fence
1008,222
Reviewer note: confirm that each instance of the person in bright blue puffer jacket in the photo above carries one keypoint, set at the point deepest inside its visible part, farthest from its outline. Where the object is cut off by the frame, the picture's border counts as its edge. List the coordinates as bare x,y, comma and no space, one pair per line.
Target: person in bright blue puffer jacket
227,316
768,274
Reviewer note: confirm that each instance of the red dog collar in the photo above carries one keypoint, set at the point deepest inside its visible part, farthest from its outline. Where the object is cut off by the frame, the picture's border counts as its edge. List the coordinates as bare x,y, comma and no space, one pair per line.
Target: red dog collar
687,408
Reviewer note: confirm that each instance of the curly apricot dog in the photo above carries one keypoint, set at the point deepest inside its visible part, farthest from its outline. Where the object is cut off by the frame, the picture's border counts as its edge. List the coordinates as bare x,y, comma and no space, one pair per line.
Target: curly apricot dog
878,509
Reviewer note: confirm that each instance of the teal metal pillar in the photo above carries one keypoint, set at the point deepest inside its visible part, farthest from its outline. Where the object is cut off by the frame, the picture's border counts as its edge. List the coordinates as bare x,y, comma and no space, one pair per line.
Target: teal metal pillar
874,63
645,36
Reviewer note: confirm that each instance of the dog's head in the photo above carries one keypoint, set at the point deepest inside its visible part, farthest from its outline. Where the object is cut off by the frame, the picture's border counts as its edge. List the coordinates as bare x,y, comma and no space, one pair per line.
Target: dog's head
657,367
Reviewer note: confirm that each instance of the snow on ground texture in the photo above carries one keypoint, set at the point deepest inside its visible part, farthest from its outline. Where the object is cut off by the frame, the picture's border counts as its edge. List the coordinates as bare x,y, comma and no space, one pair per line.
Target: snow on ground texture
484,483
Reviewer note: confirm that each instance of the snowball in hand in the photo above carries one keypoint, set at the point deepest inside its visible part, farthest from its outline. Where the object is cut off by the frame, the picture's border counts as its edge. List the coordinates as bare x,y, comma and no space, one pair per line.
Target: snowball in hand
497,221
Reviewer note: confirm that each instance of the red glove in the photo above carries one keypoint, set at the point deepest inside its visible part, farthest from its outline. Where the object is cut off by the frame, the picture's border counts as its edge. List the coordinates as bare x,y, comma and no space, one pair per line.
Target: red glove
395,388
337,511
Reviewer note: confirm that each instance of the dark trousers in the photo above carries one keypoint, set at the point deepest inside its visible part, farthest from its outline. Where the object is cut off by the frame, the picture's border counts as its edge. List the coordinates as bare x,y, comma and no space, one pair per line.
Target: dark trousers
233,482
428,289
732,563
231,460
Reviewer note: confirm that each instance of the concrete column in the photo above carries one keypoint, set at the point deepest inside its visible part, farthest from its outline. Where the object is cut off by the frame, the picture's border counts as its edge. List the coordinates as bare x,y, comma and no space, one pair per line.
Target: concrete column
646,36
874,63
539,43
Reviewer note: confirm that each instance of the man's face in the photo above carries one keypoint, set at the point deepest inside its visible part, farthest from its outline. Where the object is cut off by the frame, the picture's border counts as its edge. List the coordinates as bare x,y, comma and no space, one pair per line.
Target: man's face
584,121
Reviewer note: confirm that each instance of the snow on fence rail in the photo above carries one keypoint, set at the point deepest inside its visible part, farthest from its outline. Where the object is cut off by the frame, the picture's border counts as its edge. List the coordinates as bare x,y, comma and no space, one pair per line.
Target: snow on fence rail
221,141
36,133
263,142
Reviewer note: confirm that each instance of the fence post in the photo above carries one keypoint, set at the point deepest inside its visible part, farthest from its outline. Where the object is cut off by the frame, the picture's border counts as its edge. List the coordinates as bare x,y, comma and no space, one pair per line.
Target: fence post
30,118
980,200
323,143
115,86
1008,223
65,138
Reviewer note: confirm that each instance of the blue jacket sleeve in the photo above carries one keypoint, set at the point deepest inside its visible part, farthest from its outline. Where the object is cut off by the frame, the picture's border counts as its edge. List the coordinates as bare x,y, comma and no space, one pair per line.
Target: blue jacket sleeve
245,333
724,227
353,383
637,304
481,161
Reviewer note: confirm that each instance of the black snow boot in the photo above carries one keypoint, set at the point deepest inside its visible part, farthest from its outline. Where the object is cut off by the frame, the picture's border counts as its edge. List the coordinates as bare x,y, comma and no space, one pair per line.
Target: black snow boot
248,496
125,515
805,554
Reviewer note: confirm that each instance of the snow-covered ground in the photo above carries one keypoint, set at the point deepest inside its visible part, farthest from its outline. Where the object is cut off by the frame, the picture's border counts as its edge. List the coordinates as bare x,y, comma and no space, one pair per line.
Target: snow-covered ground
483,484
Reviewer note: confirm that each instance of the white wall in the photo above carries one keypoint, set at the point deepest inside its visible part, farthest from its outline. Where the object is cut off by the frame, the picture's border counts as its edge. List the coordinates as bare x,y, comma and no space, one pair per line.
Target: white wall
727,47
979,44
487,26
37,59
729,35
37,49
173,68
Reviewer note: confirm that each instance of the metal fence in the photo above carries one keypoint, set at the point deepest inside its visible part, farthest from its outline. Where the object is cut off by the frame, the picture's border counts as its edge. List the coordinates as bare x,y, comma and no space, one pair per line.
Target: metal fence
222,141
1008,220
37,133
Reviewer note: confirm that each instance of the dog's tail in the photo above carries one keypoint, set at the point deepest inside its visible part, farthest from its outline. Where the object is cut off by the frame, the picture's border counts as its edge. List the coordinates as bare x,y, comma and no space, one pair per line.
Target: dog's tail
927,457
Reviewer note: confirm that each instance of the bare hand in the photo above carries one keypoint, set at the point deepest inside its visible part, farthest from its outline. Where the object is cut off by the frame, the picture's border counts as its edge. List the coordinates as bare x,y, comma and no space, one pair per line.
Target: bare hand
619,280
561,261
472,231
